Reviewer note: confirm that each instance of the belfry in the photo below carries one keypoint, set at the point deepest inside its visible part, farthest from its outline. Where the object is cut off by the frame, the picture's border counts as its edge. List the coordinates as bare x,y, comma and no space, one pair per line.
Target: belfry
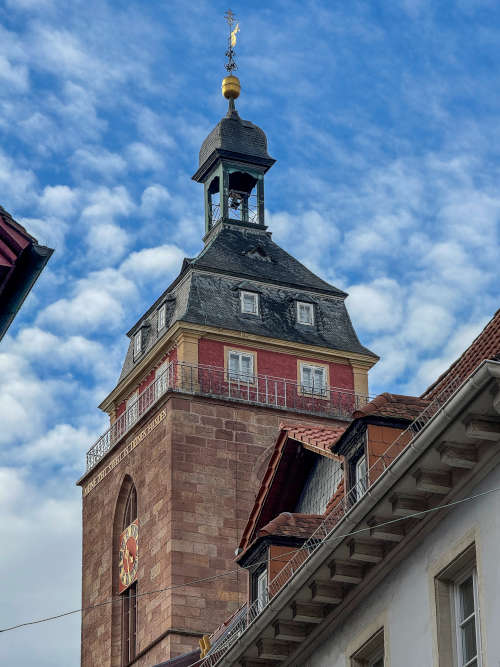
243,338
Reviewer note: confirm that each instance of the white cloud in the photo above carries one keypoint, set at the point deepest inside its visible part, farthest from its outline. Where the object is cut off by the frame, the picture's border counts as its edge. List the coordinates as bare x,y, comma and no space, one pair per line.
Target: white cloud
98,303
100,161
143,157
106,243
153,198
44,522
13,76
16,184
377,306
58,200
153,263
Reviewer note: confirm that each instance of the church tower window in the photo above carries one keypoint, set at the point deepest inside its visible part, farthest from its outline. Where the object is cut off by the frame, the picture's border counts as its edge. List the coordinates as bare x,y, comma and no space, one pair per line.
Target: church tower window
128,570
305,313
250,303
137,343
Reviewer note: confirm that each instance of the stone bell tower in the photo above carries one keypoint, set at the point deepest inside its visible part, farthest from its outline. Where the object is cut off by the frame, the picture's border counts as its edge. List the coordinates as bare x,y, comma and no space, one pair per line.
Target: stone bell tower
243,338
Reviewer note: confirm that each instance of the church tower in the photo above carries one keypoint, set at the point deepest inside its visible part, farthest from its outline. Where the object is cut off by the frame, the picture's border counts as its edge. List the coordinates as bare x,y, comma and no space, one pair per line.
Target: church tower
243,338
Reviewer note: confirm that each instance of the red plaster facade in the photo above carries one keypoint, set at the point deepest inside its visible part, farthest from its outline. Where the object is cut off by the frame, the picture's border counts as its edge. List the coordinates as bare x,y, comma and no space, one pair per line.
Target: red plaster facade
274,364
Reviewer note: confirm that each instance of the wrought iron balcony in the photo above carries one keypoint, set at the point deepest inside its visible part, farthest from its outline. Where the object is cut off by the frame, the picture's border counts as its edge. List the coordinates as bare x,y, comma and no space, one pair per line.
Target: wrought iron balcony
215,382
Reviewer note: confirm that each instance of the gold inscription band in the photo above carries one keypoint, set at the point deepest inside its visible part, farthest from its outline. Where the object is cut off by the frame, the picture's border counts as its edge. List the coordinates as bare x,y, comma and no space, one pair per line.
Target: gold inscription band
125,452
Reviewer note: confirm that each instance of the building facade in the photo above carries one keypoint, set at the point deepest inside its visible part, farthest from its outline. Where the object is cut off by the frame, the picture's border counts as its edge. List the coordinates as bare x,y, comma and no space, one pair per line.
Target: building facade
243,337
400,567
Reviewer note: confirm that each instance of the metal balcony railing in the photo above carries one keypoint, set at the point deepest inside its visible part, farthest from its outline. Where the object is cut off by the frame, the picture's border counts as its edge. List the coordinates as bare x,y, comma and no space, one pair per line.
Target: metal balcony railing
216,382
331,519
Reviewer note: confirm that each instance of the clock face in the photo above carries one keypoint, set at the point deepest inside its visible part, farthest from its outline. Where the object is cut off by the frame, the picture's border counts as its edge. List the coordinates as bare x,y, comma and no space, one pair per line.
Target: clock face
128,556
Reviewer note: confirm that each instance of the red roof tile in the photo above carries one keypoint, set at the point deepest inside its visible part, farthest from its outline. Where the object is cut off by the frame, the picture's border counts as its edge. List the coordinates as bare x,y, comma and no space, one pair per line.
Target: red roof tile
320,437
288,524
485,346
393,405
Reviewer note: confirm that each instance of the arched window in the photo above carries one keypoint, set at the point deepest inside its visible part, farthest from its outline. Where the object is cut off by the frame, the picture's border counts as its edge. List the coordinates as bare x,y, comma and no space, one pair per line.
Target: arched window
129,596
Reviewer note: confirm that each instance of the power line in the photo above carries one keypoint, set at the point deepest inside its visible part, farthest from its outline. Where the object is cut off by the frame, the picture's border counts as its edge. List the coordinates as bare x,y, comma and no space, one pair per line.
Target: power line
253,565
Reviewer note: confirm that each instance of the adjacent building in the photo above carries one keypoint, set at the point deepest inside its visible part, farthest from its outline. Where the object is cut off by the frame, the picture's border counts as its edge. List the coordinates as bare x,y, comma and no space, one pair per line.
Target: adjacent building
22,260
383,549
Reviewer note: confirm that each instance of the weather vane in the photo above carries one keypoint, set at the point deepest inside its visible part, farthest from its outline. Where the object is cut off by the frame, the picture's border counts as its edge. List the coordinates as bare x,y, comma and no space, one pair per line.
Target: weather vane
233,31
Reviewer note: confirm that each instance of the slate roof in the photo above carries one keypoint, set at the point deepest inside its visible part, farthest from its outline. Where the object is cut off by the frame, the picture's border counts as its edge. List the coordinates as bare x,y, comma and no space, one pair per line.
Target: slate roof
22,260
207,292
236,135
394,406
485,346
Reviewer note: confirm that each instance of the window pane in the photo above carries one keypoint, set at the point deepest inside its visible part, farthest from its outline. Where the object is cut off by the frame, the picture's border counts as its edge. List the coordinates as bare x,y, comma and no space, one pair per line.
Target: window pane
246,365
319,378
249,303
305,313
466,598
234,363
469,650
307,376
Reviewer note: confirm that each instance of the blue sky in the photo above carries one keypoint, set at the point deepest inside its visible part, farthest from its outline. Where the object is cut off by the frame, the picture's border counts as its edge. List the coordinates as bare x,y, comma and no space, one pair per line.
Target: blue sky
384,118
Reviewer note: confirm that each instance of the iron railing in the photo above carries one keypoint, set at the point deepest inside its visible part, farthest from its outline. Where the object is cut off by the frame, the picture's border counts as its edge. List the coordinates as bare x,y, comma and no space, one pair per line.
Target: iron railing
212,381
330,521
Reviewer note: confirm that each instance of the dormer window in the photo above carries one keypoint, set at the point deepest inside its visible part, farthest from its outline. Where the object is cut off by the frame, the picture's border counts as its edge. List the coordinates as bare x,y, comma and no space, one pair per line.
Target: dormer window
162,310
305,313
249,303
137,343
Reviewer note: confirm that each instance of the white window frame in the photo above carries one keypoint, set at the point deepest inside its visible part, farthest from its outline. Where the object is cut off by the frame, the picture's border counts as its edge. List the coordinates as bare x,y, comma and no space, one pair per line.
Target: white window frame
461,622
261,589
361,481
137,343
313,390
310,308
240,375
161,317
132,409
255,298
162,378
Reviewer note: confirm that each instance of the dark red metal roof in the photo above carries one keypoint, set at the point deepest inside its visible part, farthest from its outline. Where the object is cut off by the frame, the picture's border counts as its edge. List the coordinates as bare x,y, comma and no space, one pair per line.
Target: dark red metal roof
22,260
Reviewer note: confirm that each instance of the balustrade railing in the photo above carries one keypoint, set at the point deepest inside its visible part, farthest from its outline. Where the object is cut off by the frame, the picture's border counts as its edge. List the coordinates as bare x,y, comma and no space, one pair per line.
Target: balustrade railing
266,390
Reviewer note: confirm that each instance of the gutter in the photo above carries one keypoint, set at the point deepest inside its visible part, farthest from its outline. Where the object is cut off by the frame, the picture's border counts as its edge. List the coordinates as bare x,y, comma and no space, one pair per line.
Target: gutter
486,371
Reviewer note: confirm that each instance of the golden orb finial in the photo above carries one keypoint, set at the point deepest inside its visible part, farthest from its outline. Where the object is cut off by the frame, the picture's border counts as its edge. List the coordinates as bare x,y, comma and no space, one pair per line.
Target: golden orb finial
231,87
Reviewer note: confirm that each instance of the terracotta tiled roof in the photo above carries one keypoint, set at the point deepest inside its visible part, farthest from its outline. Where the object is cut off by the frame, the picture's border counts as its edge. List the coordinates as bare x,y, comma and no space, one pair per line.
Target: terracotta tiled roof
288,524
485,346
320,437
393,405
